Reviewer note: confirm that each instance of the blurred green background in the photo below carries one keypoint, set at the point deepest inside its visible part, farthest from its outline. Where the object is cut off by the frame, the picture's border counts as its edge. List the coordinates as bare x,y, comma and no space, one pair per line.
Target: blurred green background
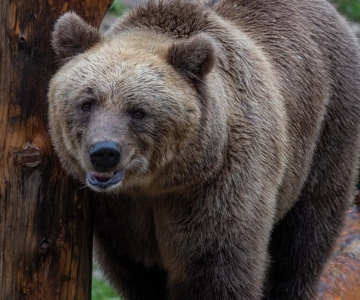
117,8
100,288
349,8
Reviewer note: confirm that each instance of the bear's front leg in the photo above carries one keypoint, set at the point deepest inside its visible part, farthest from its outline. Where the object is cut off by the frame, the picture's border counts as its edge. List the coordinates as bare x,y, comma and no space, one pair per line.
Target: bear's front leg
214,248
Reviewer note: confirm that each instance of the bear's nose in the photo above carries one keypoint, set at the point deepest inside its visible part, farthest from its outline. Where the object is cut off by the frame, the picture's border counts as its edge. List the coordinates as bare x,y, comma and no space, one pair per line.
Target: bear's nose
105,155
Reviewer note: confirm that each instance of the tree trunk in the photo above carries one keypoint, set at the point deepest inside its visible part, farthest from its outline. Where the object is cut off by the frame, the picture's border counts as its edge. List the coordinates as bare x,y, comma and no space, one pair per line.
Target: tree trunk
45,219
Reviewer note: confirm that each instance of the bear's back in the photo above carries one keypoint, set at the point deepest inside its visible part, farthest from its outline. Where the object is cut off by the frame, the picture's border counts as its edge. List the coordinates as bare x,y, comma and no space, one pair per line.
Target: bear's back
316,58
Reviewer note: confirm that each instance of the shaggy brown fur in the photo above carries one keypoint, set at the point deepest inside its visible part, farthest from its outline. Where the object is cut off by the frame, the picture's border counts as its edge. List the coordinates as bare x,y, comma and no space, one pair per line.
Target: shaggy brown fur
237,127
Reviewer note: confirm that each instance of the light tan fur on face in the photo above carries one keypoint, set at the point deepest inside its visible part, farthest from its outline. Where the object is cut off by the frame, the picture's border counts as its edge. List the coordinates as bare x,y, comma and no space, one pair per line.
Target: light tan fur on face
115,85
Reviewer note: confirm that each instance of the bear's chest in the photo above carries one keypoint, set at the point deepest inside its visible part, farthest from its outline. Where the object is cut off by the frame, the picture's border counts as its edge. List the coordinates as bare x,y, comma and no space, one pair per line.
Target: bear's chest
127,228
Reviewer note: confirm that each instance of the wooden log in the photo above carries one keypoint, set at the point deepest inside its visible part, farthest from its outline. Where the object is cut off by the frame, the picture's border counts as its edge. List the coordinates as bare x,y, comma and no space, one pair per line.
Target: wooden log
45,219
341,277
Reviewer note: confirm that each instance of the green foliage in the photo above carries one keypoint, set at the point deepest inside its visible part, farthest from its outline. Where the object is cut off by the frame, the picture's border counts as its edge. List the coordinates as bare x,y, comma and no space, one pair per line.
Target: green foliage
117,8
101,289
350,8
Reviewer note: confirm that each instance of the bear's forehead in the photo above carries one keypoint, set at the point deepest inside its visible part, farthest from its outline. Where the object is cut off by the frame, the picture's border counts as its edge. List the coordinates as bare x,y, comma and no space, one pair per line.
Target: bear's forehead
139,45
123,77
124,81
128,56
130,64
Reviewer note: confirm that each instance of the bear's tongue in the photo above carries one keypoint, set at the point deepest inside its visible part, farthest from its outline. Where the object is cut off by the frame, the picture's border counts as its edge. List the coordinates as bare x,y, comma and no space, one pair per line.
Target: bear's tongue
102,177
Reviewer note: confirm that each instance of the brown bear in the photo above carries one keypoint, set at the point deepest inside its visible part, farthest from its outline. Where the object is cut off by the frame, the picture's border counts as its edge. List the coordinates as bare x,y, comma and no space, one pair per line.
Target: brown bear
223,138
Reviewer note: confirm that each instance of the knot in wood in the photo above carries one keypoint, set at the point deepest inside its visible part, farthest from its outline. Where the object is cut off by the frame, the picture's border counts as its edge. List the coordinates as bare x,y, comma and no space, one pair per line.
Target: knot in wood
22,43
30,156
44,248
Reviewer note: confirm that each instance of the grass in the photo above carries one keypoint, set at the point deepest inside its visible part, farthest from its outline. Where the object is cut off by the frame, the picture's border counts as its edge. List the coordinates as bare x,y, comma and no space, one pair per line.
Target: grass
102,291
100,288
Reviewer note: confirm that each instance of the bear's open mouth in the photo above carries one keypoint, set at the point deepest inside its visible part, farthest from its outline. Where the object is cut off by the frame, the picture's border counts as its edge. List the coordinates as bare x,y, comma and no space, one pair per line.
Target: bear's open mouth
103,180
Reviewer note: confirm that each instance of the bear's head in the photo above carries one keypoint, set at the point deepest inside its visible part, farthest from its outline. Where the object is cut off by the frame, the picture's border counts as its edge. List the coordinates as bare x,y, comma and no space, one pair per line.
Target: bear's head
123,109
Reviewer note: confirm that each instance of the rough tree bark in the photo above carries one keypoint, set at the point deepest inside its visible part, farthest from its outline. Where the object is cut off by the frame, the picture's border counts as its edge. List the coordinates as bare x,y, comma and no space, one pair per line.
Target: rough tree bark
45,219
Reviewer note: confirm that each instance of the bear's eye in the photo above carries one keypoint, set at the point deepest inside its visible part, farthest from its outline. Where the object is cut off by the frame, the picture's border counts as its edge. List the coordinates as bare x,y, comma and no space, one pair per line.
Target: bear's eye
138,114
86,106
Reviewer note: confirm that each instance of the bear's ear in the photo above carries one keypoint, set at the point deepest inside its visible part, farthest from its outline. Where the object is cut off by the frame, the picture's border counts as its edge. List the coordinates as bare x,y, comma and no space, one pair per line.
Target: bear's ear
72,35
194,57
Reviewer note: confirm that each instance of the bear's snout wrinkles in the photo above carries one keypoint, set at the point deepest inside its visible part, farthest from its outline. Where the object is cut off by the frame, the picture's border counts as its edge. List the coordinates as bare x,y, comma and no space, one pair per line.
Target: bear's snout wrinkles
105,155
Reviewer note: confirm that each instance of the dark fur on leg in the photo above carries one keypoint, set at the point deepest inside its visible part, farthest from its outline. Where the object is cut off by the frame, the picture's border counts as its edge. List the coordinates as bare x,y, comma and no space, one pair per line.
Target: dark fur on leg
139,282
302,242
